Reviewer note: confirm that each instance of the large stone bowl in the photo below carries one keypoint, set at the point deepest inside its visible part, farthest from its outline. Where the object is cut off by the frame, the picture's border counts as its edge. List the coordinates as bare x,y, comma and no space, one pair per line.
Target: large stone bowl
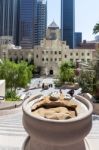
46,134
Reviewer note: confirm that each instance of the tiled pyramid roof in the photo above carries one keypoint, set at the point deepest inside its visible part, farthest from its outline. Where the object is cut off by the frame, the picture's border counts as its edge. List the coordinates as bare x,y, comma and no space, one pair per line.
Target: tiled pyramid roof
53,25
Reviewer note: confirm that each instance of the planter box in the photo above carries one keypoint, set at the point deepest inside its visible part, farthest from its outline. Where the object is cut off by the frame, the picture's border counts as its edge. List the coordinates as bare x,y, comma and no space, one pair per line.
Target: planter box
74,86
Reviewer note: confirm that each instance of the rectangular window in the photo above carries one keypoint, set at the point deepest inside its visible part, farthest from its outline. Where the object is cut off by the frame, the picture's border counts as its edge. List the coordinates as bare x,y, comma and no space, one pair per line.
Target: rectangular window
65,56
36,56
71,60
88,60
59,52
51,59
77,60
82,60
55,52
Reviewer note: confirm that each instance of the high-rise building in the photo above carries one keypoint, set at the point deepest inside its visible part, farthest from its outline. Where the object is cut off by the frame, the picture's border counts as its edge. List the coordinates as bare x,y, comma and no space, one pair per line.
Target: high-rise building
41,20
17,23
8,15
33,20
78,39
68,21
28,22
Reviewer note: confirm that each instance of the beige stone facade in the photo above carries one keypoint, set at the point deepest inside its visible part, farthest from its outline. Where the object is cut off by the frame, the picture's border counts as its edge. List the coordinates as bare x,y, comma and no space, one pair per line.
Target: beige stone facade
5,40
52,34
48,55
51,53
20,54
16,54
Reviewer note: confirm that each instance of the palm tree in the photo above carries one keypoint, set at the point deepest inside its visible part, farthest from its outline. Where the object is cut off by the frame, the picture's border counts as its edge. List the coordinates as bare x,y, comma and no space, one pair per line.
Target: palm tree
96,28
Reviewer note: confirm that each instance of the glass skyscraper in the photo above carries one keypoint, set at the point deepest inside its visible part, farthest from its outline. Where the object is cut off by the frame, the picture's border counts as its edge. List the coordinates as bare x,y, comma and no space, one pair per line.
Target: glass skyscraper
8,15
68,21
28,22
33,15
78,39
17,22
41,20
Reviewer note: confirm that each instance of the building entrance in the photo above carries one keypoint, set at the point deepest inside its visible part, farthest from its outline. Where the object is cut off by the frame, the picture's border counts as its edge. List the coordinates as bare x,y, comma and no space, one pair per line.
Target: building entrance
51,72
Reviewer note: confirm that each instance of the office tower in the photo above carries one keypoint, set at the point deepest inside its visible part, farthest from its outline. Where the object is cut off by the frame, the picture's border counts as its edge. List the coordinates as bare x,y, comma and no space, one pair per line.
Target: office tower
17,23
32,22
41,20
8,15
68,21
78,39
28,22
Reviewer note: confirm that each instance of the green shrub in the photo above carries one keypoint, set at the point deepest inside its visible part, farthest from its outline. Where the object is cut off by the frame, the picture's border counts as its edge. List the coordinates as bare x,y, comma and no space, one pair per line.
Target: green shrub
58,83
66,72
11,96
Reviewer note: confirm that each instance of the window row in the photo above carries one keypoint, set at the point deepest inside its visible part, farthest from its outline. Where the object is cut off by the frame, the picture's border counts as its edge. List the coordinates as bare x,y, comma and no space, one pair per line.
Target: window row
82,60
65,56
81,54
51,52
51,59
59,59
59,52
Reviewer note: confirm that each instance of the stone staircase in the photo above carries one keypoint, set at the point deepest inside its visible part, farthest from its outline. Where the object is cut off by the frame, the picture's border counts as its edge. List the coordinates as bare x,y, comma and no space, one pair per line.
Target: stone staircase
12,133
94,133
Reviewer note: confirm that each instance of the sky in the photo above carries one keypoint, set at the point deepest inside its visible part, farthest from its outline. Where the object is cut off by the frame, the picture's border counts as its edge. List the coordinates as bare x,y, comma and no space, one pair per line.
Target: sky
86,15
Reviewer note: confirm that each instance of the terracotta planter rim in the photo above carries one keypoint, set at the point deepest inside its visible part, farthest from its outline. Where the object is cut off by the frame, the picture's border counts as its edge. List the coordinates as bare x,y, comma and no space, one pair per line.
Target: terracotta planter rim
78,118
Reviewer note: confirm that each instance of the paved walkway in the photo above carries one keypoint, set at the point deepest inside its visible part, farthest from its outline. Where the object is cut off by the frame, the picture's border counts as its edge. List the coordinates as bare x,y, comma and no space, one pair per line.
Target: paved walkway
7,105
